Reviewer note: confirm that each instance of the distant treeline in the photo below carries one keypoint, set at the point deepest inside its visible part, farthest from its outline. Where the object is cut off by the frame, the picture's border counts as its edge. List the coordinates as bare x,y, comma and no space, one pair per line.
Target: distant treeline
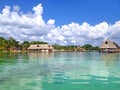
11,44
86,47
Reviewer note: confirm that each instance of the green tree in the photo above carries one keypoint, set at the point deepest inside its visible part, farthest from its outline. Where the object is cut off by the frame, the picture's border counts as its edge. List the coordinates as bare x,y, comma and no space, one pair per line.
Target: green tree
38,42
96,48
90,47
3,43
25,45
87,47
13,44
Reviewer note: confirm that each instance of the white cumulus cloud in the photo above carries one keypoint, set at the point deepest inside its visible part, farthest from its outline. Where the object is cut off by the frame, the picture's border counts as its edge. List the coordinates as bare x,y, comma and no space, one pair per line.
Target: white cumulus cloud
16,8
51,22
31,26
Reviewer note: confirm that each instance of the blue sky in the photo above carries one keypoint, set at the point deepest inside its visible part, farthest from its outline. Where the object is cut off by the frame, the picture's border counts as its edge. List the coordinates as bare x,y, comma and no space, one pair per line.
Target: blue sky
67,11
63,22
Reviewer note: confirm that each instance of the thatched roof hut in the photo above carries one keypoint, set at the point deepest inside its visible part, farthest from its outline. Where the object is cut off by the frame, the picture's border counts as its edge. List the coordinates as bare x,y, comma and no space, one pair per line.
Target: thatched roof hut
41,47
109,46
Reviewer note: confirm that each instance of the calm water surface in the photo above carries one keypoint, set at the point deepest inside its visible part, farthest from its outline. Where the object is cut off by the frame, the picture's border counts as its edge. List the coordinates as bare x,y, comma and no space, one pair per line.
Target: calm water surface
60,71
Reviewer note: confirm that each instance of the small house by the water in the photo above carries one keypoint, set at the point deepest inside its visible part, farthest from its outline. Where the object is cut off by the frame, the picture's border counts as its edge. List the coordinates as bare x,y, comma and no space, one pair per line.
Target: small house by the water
109,46
41,47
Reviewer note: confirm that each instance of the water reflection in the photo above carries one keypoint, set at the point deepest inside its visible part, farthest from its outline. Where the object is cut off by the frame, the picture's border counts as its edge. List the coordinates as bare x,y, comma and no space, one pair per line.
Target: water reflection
6,57
60,70
109,58
34,56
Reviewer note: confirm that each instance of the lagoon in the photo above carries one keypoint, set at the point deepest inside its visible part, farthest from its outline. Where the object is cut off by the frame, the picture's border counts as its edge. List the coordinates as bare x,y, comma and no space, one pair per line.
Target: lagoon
60,71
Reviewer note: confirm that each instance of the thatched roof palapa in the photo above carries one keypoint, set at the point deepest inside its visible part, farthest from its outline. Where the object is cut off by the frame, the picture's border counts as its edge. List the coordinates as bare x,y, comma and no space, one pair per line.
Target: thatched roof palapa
109,44
40,47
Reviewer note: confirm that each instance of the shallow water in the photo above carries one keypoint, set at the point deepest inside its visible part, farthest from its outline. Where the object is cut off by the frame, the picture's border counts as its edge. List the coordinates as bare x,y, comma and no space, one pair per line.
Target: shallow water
60,71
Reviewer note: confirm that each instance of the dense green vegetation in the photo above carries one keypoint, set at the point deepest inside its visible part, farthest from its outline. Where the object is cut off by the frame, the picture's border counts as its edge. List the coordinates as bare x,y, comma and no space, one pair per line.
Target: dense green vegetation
90,47
11,44
86,47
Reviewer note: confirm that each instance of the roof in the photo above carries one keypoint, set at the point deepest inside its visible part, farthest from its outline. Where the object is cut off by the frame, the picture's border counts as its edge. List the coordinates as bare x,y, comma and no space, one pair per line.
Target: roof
40,46
109,44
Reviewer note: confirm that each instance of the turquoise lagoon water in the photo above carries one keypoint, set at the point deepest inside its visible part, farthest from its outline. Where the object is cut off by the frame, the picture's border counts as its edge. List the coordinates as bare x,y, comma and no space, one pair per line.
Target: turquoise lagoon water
60,71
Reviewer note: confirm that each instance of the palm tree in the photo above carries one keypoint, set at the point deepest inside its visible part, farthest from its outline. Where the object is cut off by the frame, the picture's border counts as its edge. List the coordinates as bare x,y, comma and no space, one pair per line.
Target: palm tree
3,43
13,44
25,45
